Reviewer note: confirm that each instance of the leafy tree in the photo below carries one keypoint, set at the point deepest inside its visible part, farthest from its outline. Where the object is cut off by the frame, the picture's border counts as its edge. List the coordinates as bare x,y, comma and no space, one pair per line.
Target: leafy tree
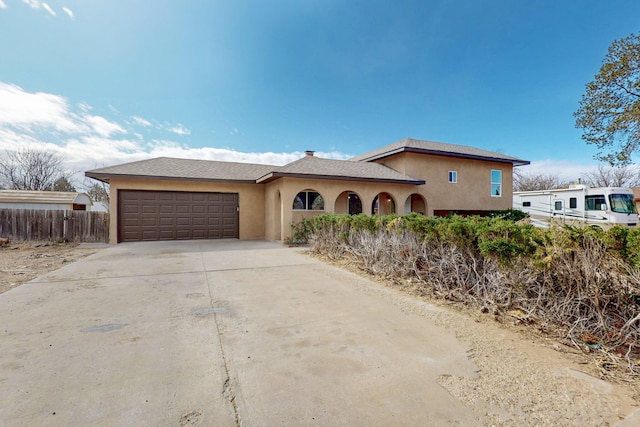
31,169
609,112
612,176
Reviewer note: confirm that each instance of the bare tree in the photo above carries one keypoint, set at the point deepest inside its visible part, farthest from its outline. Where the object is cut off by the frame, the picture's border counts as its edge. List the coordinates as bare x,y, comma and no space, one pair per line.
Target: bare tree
31,169
99,192
612,176
531,182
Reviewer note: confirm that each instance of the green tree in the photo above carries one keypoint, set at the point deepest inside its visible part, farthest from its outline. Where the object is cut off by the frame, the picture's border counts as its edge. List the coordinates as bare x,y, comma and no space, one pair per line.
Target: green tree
63,184
609,112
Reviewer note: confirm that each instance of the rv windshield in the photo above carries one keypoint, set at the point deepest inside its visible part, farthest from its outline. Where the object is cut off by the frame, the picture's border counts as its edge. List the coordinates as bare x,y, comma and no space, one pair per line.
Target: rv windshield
622,203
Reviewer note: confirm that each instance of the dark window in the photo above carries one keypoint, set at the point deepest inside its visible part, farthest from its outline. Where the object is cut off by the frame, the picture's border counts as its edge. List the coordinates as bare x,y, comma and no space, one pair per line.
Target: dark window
308,201
594,203
573,203
558,205
526,204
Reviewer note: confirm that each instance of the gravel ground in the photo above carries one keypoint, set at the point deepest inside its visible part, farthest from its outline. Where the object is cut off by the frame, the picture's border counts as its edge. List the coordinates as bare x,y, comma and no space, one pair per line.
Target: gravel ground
24,261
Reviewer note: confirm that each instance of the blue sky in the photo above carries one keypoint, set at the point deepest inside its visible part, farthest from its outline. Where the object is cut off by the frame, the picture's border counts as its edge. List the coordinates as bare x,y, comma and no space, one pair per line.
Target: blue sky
105,82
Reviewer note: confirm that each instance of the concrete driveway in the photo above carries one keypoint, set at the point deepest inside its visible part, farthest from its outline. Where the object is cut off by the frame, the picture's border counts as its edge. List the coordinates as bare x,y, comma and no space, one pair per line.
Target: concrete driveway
220,333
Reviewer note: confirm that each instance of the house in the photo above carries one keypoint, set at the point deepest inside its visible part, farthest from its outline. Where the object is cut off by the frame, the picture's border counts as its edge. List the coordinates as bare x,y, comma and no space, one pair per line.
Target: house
168,198
49,200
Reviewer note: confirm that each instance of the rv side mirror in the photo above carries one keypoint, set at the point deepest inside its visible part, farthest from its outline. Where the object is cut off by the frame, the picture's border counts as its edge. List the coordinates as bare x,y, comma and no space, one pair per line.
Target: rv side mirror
603,207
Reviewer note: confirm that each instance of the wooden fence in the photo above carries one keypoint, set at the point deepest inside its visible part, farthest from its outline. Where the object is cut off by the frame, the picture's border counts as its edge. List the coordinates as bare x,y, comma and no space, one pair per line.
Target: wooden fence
54,225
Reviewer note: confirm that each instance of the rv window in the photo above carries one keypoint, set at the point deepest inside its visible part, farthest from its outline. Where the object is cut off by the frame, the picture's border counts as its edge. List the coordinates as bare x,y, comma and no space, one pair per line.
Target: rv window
622,203
594,203
526,204
558,205
573,203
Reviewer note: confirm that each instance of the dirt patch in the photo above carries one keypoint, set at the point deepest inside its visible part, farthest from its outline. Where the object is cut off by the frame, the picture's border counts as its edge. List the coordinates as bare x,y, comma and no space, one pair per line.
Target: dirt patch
24,261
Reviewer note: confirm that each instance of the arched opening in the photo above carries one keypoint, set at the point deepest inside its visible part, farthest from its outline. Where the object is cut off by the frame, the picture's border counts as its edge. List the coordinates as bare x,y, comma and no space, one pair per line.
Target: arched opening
277,216
348,202
383,204
308,200
415,203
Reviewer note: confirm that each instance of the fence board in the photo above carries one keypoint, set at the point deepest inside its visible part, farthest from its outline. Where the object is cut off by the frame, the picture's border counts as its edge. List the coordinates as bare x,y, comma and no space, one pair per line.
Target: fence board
54,225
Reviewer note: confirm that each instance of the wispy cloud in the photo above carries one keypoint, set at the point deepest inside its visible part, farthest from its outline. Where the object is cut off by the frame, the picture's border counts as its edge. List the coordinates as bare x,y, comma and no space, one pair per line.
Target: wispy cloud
48,9
179,130
33,4
87,140
3,5
69,12
141,121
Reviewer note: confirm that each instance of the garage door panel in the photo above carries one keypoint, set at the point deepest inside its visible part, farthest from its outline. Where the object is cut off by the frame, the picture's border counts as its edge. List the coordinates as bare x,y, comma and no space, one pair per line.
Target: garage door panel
170,215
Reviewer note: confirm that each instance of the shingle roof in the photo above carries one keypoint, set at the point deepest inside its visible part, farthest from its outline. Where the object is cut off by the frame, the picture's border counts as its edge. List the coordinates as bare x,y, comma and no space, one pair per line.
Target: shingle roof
437,148
184,169
319,168
44,197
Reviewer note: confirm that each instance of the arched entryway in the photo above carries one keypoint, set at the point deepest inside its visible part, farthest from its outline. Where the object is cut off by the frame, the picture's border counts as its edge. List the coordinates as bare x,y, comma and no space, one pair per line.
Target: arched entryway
383,204
348,202
415,203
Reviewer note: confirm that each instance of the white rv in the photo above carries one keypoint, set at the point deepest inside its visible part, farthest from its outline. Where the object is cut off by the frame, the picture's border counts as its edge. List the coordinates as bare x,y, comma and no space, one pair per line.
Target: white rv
579,206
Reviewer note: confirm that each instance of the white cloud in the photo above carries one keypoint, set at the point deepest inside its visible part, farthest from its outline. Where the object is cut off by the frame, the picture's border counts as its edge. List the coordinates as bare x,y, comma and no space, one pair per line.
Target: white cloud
141,121
102,126
87,141
564,170
69,12
3,5
179,130
48,9
34,4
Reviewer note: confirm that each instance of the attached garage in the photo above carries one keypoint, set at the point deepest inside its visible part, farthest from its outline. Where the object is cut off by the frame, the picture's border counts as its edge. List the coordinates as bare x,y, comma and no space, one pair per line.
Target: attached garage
176,215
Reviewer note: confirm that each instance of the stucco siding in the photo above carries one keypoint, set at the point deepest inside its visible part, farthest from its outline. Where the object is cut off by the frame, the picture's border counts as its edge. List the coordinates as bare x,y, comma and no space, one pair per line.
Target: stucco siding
251,201
472,190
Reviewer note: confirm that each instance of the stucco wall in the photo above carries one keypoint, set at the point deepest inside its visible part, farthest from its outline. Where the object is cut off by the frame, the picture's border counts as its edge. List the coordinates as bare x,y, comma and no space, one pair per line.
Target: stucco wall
471,192
284,191
251,200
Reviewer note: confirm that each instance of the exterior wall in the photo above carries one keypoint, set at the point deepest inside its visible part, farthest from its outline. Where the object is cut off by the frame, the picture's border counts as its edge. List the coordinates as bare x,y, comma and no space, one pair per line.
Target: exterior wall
251,200
334,200
471,192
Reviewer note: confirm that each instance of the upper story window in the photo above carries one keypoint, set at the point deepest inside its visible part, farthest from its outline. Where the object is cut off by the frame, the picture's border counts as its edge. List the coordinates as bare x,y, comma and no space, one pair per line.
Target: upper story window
453,177
496,183
308,201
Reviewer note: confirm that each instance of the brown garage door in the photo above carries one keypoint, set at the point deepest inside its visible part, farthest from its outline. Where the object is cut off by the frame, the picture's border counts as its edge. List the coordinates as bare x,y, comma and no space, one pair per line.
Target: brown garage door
175,215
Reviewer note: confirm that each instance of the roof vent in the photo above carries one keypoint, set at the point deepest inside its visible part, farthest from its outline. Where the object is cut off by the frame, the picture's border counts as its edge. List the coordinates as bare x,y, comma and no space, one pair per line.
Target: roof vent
309,153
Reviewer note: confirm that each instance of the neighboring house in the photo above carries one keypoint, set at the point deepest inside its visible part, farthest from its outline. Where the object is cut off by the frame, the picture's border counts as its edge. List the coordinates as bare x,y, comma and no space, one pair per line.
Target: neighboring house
167,198
51,200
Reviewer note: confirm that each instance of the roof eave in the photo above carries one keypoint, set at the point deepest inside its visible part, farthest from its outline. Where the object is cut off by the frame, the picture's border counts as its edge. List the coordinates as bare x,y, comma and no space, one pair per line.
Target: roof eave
104,177
515,162
272,176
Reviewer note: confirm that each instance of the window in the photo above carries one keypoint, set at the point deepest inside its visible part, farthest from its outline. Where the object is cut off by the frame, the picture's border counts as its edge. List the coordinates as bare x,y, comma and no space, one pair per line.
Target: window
308,201
558,205
622,203
453,177
496,183
573,203
595,203
526,204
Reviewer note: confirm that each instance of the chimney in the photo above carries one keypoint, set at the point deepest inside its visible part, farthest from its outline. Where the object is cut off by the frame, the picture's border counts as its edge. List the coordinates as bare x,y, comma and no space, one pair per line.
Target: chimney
309,153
